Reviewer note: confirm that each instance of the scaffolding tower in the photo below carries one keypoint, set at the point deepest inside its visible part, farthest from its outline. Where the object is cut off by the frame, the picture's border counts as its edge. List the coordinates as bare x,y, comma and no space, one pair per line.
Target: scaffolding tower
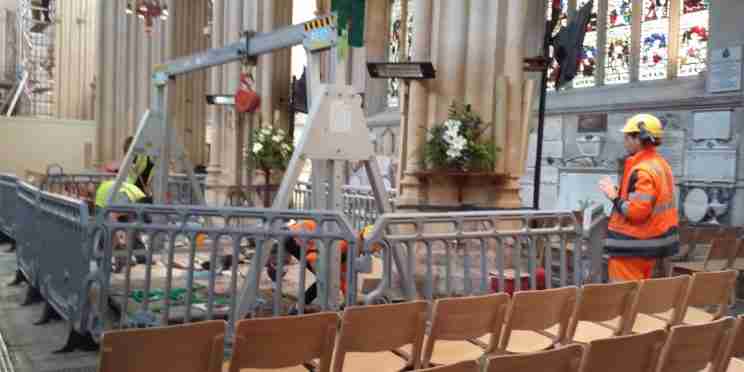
35,68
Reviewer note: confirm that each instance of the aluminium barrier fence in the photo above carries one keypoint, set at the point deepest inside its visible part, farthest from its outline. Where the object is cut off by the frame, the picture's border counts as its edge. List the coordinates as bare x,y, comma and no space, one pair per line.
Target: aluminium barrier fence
358,202
71,257
84,185
7,204
470,253
177,236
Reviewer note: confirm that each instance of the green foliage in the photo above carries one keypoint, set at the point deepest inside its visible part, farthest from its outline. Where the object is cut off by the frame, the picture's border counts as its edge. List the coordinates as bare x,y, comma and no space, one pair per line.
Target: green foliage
455,144
270,149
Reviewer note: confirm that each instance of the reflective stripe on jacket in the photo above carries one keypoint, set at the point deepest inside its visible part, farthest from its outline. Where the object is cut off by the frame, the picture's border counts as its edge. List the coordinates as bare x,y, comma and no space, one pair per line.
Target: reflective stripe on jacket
644,218
128,193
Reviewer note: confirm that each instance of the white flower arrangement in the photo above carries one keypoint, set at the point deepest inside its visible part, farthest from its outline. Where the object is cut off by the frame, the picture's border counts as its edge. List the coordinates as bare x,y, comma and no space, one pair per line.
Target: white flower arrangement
454,144
271,148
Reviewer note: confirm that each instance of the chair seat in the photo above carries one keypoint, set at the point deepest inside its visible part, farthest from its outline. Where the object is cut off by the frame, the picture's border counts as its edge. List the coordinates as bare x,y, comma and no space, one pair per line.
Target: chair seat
373,362
226,368
697,316
449,352
589,331
738,264
690,267
645,323
736,365
528,341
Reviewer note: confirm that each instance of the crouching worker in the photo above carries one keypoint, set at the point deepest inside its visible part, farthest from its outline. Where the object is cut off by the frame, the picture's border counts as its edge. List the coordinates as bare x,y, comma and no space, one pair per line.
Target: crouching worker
128,194
293,247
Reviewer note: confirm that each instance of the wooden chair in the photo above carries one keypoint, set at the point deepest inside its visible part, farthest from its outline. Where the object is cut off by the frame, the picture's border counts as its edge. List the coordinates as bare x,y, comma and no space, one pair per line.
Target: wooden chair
695,347
599,304
660,303
381,328
562,359
537,320
720,256
735,349
193,347
738,263
466,366
629,353
457,322
708,289
283,342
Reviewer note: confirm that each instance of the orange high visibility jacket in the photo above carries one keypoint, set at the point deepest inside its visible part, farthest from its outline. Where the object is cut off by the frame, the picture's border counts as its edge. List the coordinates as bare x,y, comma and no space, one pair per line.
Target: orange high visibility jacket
312,252
644,218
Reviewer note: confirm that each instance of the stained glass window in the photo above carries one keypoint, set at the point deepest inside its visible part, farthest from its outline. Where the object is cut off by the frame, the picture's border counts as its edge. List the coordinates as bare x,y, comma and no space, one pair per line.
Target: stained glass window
562,22
693,47
619,20
654,40
585,75
395,45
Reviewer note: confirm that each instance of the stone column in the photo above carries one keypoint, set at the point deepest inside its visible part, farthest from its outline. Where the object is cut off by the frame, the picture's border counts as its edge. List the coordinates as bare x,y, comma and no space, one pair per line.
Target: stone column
376,46
477,48
418,106
188,39
473,46
125,57
215,112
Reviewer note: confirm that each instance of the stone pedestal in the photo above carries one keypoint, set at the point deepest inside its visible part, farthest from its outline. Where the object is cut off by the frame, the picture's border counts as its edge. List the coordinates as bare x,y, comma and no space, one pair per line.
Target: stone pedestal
477,48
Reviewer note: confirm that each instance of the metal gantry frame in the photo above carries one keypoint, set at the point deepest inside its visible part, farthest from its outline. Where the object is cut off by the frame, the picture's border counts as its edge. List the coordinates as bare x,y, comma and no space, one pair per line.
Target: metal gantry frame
336,132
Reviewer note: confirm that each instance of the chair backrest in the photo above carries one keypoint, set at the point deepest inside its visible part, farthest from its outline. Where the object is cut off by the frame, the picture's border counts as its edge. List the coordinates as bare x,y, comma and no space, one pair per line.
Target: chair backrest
661,295
456,319
466,366
629,353
196,347
603,302
735,347
538,311
562,359
740,248
302,339
693,347
370,329
711,288
722,249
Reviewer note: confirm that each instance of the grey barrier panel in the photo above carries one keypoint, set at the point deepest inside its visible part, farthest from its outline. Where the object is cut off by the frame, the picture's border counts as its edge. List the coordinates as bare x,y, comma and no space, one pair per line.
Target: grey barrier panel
27,234
595,232
179,189
173,230
79,186
63,256
84,186
453,239
7,204
358,202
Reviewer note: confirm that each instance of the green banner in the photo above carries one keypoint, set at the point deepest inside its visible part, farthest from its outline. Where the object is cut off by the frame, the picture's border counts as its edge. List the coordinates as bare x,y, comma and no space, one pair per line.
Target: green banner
351,18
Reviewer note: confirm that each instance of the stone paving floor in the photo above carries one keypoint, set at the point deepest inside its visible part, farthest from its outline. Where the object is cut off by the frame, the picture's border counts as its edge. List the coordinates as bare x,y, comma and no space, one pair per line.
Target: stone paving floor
32,347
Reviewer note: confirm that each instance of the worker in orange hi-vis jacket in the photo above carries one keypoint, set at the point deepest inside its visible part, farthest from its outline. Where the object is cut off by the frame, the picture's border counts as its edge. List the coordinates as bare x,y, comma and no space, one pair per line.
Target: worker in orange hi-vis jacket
644,220
293,247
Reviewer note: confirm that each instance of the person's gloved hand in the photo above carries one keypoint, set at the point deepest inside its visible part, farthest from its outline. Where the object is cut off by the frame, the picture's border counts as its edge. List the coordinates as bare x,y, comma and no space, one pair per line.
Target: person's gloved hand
608,188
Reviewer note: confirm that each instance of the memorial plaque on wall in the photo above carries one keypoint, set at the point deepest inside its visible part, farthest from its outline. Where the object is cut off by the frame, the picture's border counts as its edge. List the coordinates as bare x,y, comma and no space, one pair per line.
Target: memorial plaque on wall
725,70
592,123
711,165
575,187
711,125
673,150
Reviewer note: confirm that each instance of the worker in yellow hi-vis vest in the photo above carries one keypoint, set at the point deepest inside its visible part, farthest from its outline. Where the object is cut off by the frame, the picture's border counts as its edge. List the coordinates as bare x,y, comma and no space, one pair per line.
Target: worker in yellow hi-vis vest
142,170
128,194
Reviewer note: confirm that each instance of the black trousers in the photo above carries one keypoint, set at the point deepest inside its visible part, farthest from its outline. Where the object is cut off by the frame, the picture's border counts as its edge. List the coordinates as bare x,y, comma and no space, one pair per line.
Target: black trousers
295,250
